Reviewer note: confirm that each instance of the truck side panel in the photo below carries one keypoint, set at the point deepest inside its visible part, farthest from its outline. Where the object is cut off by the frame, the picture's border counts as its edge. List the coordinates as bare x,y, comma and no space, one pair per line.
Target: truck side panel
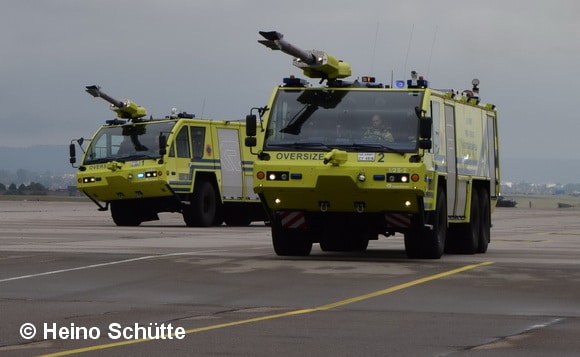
464,150
450,145
492,156
231,163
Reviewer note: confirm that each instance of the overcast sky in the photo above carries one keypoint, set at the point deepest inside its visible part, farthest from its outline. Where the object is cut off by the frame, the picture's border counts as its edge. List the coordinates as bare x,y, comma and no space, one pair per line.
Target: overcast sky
202,56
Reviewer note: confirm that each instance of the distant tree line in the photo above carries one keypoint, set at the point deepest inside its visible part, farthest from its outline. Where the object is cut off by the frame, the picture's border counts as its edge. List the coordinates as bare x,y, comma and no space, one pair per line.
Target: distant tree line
34,188
541,189
52,181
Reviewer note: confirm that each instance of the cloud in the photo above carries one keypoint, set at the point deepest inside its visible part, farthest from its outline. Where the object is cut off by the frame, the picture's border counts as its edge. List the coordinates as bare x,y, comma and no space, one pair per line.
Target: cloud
202,56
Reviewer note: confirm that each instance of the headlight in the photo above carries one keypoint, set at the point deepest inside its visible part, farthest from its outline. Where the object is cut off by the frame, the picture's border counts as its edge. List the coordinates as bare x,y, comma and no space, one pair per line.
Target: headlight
277,175
397,178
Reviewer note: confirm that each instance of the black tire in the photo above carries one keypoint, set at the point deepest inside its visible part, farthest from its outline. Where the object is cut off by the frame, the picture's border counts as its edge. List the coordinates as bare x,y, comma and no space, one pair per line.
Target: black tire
464,237
361,244
290,242
485,223
125,214
438,218
429,244
361,239
469,239
201,212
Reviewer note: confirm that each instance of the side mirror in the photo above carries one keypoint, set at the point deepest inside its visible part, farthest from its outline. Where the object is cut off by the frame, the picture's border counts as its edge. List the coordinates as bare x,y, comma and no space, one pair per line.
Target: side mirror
425,126
425,144
251,141
162,144
72,154
250,125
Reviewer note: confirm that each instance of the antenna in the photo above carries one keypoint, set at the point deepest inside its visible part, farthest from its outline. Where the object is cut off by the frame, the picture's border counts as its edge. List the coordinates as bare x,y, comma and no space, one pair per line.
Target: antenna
374,49
431,54
408,49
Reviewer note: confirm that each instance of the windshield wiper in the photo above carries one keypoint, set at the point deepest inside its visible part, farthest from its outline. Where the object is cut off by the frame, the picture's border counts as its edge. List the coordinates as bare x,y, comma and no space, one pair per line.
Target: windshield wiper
373,147
295,125
97,161
121,158
299,145
138,156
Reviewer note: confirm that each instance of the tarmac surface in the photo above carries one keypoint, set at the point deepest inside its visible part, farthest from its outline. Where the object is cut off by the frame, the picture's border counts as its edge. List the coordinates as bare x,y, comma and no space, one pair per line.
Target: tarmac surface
73,283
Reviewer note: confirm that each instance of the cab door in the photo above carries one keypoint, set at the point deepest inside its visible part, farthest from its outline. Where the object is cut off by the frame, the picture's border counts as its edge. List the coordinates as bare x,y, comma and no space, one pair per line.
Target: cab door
179,161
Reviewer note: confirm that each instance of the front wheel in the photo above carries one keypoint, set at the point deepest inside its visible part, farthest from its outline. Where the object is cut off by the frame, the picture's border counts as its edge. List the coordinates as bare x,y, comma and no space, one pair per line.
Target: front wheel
438,219
290,242
429,244
201,212
125,213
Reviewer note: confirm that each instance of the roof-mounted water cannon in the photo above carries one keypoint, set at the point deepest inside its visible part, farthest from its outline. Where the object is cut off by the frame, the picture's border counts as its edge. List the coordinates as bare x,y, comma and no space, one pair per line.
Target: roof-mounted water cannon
125,109
314,63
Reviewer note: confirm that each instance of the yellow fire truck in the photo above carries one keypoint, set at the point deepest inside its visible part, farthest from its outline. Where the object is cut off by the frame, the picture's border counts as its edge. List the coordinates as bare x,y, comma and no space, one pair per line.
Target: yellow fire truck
343,163
140,167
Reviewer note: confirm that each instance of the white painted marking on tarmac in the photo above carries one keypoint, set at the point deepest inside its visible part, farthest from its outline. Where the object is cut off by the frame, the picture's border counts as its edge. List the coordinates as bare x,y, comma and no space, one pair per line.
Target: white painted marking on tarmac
544,325
107,264
279,315
507,341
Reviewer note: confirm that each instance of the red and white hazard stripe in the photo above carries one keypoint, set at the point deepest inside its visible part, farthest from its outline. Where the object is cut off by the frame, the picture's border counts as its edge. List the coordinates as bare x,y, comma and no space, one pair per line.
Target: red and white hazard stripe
292,219
398,220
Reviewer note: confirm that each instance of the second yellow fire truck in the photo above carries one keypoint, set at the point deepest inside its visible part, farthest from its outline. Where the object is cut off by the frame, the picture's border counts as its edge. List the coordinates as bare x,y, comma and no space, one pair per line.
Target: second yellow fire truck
342,163
140,167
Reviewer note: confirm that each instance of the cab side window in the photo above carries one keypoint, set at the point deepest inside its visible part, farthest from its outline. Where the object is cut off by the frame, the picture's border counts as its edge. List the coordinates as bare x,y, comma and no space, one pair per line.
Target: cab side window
197,140
181,144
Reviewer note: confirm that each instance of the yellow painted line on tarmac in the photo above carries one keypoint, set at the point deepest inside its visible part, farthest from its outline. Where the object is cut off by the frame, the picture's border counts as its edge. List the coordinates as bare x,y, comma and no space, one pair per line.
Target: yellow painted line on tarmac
285,314
401,286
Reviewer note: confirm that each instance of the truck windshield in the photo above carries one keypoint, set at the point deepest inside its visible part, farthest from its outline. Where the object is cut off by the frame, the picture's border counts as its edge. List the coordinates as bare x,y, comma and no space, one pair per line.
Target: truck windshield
127,142
350,119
